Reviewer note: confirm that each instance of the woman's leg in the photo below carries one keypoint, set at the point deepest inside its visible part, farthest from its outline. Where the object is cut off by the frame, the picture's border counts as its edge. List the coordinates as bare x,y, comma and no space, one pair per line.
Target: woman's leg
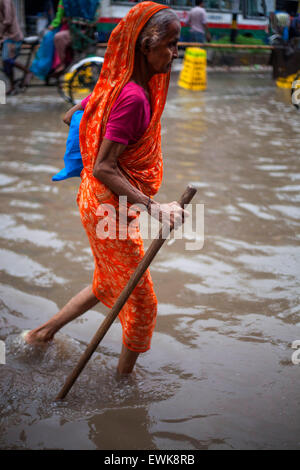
78,305
127,360
62,41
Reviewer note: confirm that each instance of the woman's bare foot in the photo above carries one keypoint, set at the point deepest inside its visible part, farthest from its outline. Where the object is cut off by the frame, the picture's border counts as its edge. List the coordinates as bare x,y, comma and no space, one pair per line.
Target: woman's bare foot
39,336
78,305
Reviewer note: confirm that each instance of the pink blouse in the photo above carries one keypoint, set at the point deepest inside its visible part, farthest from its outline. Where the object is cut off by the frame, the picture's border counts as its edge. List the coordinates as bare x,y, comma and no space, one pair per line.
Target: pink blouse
130,115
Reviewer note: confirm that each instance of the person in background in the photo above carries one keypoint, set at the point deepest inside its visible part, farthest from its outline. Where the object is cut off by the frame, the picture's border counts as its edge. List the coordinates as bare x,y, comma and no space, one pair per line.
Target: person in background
52,53
197,21
62,39
280,24
11,38
234,28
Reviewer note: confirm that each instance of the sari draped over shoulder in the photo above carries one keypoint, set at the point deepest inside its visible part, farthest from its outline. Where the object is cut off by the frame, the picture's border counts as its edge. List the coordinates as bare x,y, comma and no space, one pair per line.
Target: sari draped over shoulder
117,257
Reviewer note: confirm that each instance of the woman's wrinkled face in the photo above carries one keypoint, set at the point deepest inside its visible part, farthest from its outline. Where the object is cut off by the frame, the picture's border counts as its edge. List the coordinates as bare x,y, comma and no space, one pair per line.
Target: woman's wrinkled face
161,56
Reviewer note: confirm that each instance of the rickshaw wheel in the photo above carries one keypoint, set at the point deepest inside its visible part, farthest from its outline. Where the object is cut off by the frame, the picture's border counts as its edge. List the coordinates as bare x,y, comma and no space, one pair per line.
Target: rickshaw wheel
63,86
80,80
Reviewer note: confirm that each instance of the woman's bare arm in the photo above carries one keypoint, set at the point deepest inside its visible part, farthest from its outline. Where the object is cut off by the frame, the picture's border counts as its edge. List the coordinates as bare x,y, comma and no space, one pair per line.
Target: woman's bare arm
68,116
107,171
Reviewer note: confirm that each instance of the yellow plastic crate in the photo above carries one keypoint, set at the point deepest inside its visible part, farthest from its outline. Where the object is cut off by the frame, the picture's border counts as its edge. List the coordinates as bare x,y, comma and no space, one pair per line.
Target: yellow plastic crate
193,73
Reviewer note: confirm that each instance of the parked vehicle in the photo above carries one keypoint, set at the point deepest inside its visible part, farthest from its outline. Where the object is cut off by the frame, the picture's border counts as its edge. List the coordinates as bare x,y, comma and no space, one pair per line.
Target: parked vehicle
252,16
82,73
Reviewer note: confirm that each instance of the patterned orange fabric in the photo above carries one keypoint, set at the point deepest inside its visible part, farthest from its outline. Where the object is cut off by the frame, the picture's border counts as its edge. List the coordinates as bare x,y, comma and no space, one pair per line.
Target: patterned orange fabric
116,259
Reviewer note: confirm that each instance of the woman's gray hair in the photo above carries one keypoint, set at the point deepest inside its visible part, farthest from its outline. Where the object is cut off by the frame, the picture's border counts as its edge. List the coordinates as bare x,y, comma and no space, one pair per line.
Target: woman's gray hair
156,28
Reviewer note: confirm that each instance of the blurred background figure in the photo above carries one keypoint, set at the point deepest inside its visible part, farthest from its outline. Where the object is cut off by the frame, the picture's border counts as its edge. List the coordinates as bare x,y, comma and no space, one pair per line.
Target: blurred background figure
235,11
62,39
11,38
53,51
280,23
197,21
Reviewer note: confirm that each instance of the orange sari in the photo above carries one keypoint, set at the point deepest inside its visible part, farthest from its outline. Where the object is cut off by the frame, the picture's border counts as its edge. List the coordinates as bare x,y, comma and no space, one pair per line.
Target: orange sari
116,259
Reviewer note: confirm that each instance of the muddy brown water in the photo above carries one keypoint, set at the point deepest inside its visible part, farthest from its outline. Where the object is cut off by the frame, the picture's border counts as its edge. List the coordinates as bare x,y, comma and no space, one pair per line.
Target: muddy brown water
219,374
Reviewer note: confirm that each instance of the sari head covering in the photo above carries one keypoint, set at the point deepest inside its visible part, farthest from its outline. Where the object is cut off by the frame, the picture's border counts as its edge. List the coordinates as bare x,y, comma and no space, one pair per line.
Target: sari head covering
117,257
141,162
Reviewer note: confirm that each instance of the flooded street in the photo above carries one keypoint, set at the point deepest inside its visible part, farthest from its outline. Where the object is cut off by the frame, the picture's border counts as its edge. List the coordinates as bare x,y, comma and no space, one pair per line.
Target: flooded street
219,374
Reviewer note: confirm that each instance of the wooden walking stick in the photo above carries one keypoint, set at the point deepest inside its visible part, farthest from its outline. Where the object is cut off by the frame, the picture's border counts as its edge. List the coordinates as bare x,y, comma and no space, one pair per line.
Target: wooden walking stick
135,278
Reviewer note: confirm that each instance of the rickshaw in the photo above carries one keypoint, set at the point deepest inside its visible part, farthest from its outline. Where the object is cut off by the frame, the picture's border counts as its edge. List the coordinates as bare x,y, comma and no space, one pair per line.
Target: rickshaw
82,73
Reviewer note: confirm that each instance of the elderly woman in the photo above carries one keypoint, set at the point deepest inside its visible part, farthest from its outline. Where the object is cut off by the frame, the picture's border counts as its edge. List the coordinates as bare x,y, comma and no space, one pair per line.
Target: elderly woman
120,142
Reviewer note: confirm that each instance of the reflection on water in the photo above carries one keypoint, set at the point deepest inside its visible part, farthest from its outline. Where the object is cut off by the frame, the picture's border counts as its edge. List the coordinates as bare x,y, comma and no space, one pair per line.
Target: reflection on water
219,374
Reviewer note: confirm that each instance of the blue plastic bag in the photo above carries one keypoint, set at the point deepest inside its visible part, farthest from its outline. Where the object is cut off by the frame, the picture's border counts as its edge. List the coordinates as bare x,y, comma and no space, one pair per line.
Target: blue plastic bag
43,60
72,157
